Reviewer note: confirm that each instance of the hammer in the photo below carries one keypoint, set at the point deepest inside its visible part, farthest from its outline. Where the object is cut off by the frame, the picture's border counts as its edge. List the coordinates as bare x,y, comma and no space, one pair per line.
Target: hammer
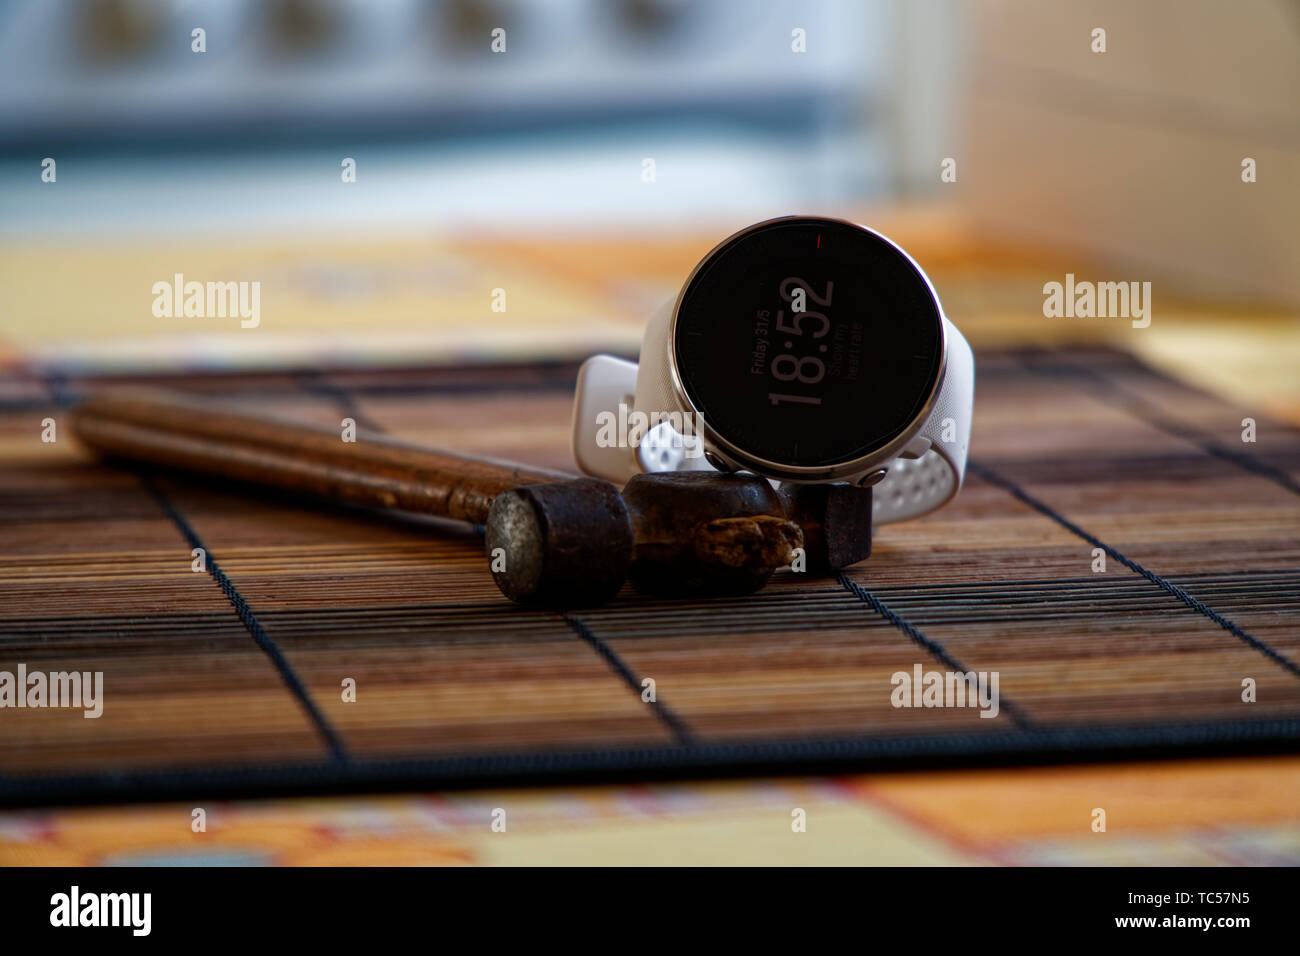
552,540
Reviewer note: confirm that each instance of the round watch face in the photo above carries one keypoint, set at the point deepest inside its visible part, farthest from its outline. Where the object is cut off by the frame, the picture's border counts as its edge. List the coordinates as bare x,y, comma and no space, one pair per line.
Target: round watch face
808,342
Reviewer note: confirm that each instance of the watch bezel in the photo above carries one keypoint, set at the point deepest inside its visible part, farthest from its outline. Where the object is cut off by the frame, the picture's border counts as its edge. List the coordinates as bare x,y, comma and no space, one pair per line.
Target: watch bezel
742,460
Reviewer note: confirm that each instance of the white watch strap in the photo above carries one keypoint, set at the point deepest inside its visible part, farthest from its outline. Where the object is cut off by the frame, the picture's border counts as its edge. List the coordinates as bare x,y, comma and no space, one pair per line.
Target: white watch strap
931,469
605,392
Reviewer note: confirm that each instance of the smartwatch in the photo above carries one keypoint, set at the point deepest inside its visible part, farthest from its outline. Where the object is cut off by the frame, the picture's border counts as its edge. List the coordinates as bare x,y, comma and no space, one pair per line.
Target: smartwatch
802,349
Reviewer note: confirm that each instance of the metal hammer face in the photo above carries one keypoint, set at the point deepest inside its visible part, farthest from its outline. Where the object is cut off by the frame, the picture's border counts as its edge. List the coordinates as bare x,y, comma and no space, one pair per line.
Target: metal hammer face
563,544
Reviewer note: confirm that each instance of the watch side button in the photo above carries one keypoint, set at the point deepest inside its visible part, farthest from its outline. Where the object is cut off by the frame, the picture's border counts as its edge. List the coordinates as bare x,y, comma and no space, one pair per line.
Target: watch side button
872,477
717,462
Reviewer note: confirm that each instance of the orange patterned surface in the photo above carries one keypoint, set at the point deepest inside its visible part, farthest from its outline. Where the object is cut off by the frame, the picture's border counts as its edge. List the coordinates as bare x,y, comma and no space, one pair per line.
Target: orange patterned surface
1204,812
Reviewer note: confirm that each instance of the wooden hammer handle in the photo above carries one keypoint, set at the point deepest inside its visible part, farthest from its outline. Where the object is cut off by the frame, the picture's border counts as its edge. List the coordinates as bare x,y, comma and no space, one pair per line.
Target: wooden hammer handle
177,431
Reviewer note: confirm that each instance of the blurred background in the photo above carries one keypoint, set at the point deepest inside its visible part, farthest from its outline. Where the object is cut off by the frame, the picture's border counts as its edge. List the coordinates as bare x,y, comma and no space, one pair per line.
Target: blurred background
543,132
581,155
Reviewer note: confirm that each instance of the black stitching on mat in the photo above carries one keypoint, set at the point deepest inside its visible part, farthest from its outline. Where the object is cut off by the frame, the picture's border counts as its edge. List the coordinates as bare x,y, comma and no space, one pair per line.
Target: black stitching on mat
820,756
1110,391
56,383
313,383
1016,491
678,726
940,652
253,625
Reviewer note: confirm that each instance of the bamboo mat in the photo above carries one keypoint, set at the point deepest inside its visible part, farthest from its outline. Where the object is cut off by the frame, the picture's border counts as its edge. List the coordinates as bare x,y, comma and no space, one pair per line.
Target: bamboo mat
229,682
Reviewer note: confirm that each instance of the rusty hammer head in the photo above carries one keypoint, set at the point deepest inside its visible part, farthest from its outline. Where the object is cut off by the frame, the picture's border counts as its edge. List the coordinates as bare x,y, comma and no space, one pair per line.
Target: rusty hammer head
574,543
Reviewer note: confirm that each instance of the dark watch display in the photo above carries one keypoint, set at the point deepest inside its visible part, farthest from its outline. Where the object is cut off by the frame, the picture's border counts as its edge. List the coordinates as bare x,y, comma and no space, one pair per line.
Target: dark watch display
808,342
